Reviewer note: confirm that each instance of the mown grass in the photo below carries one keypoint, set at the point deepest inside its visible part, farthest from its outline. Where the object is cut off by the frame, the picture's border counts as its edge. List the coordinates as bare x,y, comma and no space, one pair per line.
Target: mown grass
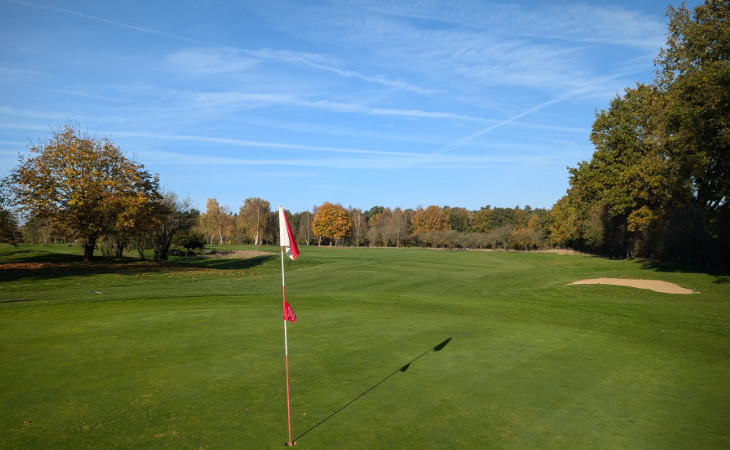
190,354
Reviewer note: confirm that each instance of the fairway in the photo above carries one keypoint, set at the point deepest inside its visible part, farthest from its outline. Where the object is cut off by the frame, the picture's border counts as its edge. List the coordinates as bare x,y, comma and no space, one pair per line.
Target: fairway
393,348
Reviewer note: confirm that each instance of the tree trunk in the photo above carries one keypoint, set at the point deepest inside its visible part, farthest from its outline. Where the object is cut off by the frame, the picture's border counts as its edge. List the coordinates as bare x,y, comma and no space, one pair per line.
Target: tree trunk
161,253
140,248
89,245
121,245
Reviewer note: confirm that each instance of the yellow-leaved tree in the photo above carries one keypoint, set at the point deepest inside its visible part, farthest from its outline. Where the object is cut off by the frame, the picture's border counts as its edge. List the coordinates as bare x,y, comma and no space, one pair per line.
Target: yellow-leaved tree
429,220
85,187
331,222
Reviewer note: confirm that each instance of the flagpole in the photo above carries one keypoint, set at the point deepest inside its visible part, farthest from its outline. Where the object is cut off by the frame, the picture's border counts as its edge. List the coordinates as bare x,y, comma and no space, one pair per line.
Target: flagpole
286,349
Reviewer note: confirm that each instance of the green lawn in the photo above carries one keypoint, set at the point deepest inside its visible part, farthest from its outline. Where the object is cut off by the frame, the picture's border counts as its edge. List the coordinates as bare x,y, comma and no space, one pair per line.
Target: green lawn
190,354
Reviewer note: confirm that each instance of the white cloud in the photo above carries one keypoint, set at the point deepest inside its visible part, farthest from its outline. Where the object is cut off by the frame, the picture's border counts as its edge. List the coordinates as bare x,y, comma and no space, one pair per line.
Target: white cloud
210,61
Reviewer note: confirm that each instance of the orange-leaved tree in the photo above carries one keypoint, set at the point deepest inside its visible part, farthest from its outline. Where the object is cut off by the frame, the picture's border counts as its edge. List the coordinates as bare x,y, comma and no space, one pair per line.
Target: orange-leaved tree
428,220
84,186
331,222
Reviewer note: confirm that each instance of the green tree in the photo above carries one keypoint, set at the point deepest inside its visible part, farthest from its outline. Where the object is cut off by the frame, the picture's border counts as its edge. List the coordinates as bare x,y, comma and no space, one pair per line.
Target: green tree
460,218
9,231
694,74
174,215
189,239
658,182
83,185
331,222
482,220
622,193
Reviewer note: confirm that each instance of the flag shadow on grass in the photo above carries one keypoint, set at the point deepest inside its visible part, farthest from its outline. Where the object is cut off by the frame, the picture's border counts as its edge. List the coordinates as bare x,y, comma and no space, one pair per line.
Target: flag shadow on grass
404,368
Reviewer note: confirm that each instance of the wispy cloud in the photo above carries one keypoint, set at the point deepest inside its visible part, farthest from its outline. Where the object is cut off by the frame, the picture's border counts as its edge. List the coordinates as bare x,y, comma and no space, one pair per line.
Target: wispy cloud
104,20
380,162
260,144
201,61
243,100
211,61
15,74
577,22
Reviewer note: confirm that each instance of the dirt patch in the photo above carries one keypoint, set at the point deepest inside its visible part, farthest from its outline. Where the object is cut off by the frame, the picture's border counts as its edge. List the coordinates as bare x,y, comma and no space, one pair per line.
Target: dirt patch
655,285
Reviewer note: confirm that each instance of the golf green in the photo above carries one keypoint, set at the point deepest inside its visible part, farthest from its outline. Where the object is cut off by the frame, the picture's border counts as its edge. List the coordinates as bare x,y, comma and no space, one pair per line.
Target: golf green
406,348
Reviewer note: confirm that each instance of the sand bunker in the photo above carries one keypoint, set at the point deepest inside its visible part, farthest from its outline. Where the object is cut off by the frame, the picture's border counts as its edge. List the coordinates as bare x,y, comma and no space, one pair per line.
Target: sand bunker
654,285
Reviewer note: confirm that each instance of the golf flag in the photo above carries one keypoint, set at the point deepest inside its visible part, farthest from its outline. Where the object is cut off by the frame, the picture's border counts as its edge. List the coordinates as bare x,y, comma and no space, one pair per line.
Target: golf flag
286,241
289,313
286,237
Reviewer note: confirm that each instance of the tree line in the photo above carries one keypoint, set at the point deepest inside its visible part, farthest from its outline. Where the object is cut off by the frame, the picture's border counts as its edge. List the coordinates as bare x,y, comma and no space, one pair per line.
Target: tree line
656,186
332,224
658,183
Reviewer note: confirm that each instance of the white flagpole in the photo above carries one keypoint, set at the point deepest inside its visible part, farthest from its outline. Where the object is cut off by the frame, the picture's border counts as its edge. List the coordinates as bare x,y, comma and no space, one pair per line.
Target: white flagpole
286,348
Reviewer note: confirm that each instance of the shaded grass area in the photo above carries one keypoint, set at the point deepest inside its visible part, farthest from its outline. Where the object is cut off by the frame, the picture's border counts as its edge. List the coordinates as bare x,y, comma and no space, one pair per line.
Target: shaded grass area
188,355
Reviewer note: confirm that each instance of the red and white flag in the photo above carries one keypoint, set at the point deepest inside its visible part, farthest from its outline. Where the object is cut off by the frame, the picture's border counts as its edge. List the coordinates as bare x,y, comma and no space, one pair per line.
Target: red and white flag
289,313
286,237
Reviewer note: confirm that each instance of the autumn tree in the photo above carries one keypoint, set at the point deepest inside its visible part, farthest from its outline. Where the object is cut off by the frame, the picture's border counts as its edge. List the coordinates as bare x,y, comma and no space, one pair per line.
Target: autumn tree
376,222
83,185
332,222
217,222
564,223
359,225
138,219
396,226
432,218
254,218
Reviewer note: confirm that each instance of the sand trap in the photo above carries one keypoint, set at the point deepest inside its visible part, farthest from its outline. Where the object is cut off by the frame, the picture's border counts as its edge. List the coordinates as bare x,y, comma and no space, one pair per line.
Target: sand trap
654,285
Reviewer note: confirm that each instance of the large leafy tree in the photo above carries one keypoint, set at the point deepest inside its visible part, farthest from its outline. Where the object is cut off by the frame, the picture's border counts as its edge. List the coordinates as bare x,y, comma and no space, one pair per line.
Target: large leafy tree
694,72
659,180
625,189
83,185
332,222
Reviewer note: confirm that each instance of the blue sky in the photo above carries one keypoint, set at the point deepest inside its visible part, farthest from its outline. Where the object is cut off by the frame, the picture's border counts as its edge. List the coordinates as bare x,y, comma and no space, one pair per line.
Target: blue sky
375,102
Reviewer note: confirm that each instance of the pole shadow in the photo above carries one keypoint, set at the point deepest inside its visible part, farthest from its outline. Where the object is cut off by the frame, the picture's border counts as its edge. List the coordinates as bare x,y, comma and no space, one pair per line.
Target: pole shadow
404,368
